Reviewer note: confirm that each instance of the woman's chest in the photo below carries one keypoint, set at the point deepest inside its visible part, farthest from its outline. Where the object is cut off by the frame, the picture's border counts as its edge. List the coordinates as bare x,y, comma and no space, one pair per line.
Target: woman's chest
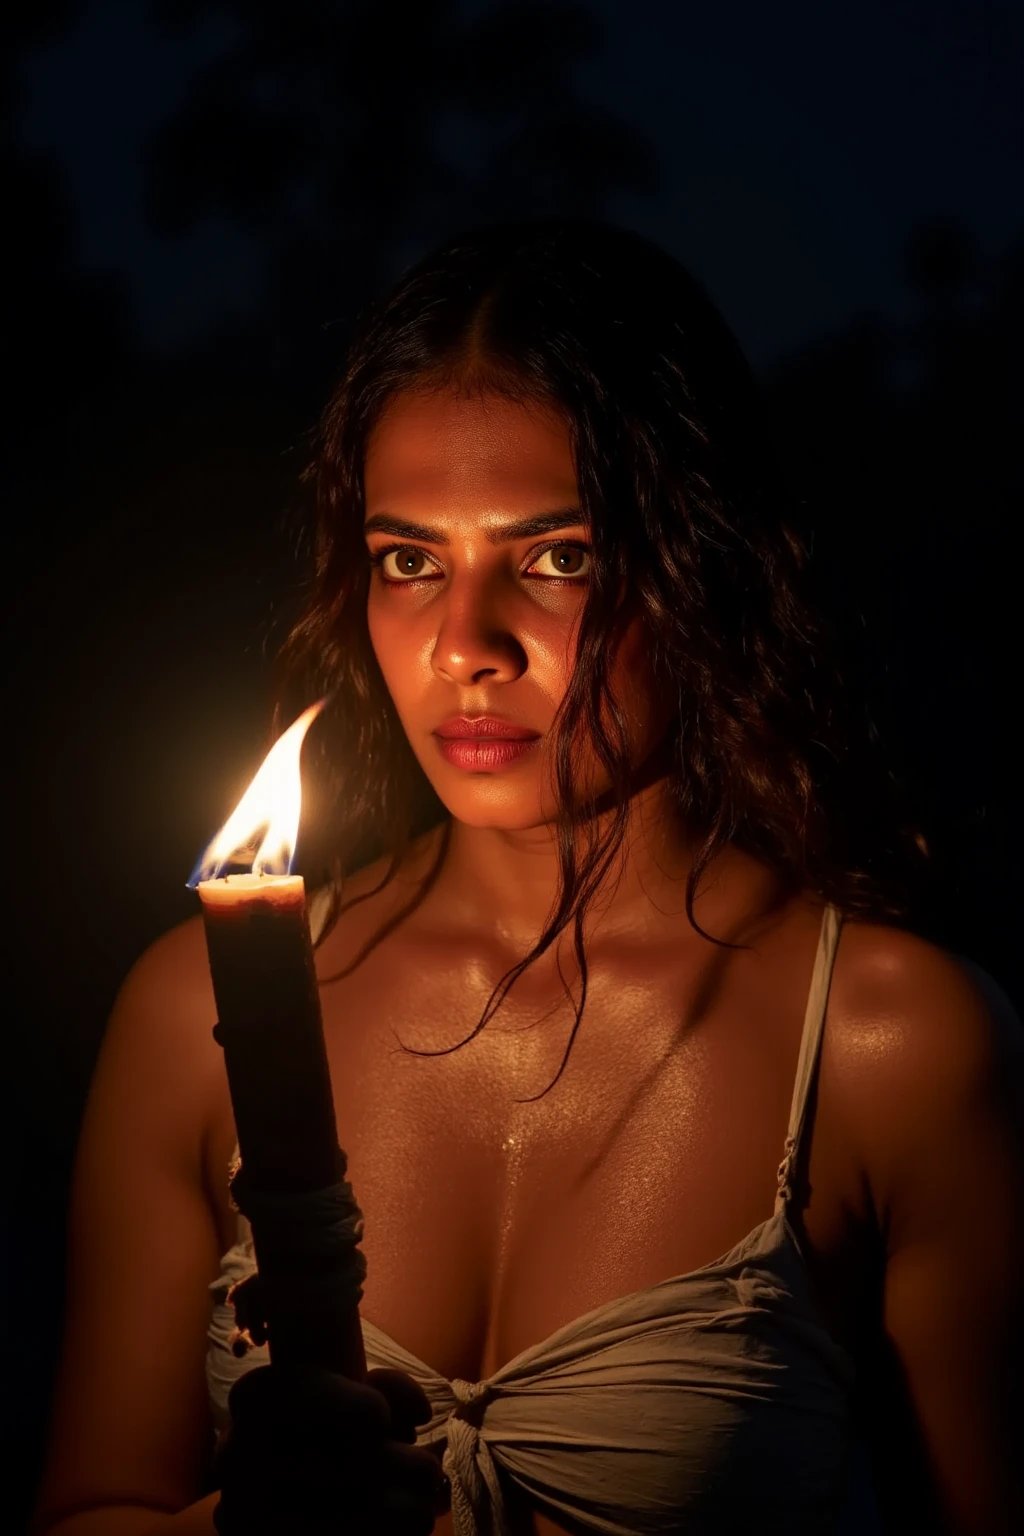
496,1212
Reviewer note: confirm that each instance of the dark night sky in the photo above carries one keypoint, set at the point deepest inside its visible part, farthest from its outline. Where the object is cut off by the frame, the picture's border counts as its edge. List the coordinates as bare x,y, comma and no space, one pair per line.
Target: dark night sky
798,146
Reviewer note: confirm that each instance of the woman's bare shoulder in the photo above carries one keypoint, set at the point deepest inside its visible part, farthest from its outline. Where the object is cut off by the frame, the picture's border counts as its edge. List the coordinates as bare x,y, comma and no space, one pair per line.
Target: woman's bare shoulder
160,1033
896,994
924,1045
175,960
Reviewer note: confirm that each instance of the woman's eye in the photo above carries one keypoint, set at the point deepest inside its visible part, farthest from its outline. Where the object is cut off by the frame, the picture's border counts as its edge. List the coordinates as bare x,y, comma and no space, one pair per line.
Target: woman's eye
567,560
409,563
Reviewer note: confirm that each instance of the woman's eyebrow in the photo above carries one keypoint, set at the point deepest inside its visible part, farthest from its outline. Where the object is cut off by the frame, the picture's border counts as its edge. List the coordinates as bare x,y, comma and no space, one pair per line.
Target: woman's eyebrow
522,528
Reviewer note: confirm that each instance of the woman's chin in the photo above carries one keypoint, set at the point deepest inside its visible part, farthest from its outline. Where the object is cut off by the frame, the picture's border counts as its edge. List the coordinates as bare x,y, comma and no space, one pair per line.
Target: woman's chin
484,801
508,817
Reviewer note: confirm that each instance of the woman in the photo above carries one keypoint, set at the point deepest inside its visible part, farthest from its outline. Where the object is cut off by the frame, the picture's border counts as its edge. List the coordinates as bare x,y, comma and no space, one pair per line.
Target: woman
634,998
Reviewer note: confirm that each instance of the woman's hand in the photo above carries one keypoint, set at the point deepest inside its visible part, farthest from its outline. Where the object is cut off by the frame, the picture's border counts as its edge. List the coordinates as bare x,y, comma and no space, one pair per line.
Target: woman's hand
312,1451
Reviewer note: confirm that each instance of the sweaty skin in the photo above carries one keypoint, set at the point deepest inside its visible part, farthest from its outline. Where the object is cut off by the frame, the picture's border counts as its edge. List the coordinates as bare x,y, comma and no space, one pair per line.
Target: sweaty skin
492,1220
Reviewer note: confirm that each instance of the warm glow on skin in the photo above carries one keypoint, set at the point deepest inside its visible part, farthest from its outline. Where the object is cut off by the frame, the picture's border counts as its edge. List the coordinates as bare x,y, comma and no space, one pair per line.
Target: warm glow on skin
489,628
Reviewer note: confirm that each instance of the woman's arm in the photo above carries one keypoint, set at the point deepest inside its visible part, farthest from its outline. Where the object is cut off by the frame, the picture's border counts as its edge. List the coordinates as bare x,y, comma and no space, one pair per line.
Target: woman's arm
936,1100
131,1430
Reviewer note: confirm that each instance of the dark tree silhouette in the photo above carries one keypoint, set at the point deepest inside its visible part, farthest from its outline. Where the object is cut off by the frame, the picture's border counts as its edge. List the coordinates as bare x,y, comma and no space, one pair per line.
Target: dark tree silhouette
345,136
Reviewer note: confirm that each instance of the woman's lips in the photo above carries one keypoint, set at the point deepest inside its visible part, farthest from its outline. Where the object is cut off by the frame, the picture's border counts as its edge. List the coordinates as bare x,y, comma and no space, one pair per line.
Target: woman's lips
483,753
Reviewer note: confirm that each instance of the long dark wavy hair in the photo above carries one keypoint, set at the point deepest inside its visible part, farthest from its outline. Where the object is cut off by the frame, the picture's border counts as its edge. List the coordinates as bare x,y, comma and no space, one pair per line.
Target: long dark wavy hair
688,516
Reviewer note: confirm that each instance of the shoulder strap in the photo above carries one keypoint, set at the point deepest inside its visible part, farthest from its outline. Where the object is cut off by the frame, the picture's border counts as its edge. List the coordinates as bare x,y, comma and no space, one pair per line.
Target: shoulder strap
810,1048
318,906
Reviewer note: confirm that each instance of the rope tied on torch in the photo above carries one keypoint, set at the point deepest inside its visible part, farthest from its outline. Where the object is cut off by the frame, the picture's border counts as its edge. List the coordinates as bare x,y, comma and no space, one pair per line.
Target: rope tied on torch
308,1247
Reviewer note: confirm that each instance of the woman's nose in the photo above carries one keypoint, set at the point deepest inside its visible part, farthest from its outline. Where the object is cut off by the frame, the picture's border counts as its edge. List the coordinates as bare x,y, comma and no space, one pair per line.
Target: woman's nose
476,638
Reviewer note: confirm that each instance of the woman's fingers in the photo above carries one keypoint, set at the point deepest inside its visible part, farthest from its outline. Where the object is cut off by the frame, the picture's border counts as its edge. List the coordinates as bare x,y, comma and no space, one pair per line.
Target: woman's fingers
407,1400
274,1401
326,1453
415,1493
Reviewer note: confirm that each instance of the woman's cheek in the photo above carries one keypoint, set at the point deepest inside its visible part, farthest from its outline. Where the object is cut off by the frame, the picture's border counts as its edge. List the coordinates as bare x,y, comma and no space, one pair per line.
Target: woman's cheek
388,636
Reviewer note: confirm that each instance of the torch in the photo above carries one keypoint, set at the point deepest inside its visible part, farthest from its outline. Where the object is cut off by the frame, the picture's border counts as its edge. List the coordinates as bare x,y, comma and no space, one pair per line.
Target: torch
290,1180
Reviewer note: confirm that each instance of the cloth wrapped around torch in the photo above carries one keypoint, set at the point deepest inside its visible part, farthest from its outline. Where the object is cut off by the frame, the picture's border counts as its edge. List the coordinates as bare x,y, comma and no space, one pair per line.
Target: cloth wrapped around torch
290,1183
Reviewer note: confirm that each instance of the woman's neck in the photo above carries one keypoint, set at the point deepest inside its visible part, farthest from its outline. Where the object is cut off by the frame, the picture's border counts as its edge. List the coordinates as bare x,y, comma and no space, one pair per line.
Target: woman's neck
502,884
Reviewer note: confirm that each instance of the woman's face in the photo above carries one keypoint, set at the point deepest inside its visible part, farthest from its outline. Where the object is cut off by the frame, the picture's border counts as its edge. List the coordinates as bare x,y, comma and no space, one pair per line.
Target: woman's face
468,621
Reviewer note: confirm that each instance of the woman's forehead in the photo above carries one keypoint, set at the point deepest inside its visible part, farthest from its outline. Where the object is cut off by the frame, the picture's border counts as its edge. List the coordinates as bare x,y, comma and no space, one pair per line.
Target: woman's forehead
428,444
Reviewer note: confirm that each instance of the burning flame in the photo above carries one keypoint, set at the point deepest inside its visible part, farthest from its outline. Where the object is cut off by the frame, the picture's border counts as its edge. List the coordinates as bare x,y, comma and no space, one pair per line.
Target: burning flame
271,806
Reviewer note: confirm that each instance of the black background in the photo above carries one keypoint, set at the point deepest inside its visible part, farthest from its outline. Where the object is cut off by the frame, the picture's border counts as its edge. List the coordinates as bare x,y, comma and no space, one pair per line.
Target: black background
199,199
